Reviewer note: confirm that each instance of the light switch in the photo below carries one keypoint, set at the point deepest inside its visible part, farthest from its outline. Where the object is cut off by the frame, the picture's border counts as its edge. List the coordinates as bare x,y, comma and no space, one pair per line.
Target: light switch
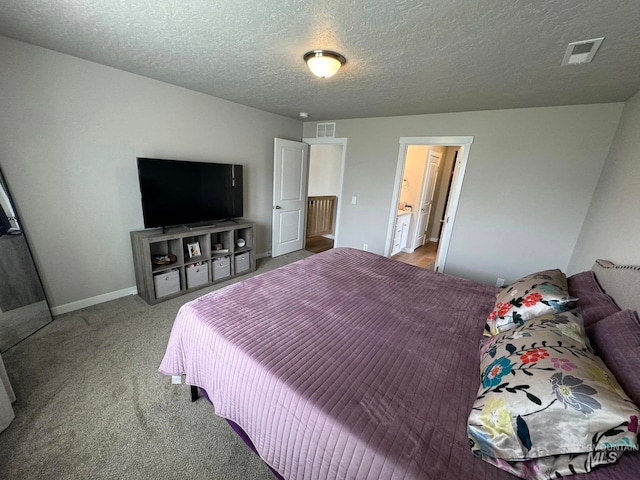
354,200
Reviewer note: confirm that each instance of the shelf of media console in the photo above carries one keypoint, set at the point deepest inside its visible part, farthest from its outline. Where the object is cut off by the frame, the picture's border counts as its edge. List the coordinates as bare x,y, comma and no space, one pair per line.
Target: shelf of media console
157,283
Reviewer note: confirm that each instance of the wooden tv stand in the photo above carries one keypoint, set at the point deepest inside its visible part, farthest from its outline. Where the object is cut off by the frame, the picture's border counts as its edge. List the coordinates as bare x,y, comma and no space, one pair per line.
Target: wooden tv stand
190,272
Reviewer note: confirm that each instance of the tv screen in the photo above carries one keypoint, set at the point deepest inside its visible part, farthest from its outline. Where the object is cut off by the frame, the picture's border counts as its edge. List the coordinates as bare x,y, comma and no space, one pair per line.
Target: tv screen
182,193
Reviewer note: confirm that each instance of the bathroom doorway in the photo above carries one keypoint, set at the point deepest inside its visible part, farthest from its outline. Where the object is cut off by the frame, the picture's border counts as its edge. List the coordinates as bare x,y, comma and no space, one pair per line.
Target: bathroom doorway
428,183
417,205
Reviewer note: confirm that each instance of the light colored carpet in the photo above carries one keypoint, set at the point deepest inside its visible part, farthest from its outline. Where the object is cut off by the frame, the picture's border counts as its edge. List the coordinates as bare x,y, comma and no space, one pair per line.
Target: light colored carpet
92,405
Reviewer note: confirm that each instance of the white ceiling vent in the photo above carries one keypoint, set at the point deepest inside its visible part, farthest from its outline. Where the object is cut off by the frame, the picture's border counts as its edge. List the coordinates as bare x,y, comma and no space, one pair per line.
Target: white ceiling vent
581,52
324,130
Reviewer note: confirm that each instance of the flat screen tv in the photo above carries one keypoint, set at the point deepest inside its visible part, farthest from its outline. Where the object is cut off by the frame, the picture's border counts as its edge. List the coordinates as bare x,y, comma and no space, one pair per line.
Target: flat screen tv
178,192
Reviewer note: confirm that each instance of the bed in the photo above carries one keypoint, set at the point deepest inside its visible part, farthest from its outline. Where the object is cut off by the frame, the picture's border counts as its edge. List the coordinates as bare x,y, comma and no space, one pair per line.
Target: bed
349,365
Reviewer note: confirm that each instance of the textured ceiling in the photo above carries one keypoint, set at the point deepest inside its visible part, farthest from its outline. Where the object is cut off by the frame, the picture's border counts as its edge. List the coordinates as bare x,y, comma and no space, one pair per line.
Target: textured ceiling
403,56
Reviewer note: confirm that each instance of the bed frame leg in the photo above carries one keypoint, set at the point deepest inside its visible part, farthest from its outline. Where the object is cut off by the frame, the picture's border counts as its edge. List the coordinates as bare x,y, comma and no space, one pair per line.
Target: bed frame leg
195,393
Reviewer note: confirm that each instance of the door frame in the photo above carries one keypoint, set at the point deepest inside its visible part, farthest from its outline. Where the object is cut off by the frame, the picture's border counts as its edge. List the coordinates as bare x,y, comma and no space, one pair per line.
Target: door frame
464,142
333,141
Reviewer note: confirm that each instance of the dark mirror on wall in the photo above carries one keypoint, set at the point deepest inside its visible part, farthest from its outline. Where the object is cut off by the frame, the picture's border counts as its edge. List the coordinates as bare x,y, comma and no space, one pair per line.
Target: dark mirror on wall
23,305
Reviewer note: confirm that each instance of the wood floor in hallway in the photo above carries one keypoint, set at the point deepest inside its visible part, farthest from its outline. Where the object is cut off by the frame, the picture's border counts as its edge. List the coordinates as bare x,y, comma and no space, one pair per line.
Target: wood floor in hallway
423,256
318,244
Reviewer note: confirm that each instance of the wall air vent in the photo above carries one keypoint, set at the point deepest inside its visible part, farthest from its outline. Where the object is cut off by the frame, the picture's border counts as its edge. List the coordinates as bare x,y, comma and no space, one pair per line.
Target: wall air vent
581,52
324,130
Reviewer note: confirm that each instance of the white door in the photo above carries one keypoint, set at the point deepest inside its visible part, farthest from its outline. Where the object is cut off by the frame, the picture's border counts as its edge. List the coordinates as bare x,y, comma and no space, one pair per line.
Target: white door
426,197
290,171
452,202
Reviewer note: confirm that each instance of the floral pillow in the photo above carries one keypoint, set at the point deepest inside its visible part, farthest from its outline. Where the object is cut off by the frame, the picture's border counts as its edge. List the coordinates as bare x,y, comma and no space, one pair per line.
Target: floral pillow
531,296
547,405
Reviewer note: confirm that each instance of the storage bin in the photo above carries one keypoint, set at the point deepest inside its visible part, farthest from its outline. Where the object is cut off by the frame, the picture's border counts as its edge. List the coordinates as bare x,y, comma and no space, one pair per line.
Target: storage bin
243,262
167,283
221,267
197,275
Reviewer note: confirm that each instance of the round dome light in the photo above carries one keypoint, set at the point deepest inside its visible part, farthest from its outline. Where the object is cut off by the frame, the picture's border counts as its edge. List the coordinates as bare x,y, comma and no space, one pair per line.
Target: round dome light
324,63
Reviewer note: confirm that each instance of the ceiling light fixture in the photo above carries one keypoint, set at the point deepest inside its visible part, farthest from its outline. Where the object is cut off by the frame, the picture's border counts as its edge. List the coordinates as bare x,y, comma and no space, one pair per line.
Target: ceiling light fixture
324,63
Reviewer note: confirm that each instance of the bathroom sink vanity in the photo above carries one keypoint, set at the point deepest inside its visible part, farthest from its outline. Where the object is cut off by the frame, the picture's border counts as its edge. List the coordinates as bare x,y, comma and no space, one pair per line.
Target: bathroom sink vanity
401,234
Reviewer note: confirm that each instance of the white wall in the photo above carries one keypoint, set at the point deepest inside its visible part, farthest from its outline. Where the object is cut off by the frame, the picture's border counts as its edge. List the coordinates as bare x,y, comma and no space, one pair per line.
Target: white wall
611,230
325,165
415,162
70,132
528,184
414,167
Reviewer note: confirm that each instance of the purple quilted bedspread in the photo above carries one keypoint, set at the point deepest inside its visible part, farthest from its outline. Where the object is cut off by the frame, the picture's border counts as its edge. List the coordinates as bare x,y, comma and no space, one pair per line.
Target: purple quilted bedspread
344,365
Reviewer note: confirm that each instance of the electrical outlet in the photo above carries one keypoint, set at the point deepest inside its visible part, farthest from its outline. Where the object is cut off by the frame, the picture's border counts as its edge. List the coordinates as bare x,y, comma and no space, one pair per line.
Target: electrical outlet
499,282
176,379
365,247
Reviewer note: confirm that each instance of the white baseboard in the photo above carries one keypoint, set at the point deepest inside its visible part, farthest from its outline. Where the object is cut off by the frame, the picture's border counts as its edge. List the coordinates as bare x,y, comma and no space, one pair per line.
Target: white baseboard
434,239
87,302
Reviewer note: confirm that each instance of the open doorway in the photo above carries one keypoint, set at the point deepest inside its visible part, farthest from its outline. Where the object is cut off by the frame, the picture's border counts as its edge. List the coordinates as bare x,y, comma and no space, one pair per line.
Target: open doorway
290,193
420,204
428,184
326,168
